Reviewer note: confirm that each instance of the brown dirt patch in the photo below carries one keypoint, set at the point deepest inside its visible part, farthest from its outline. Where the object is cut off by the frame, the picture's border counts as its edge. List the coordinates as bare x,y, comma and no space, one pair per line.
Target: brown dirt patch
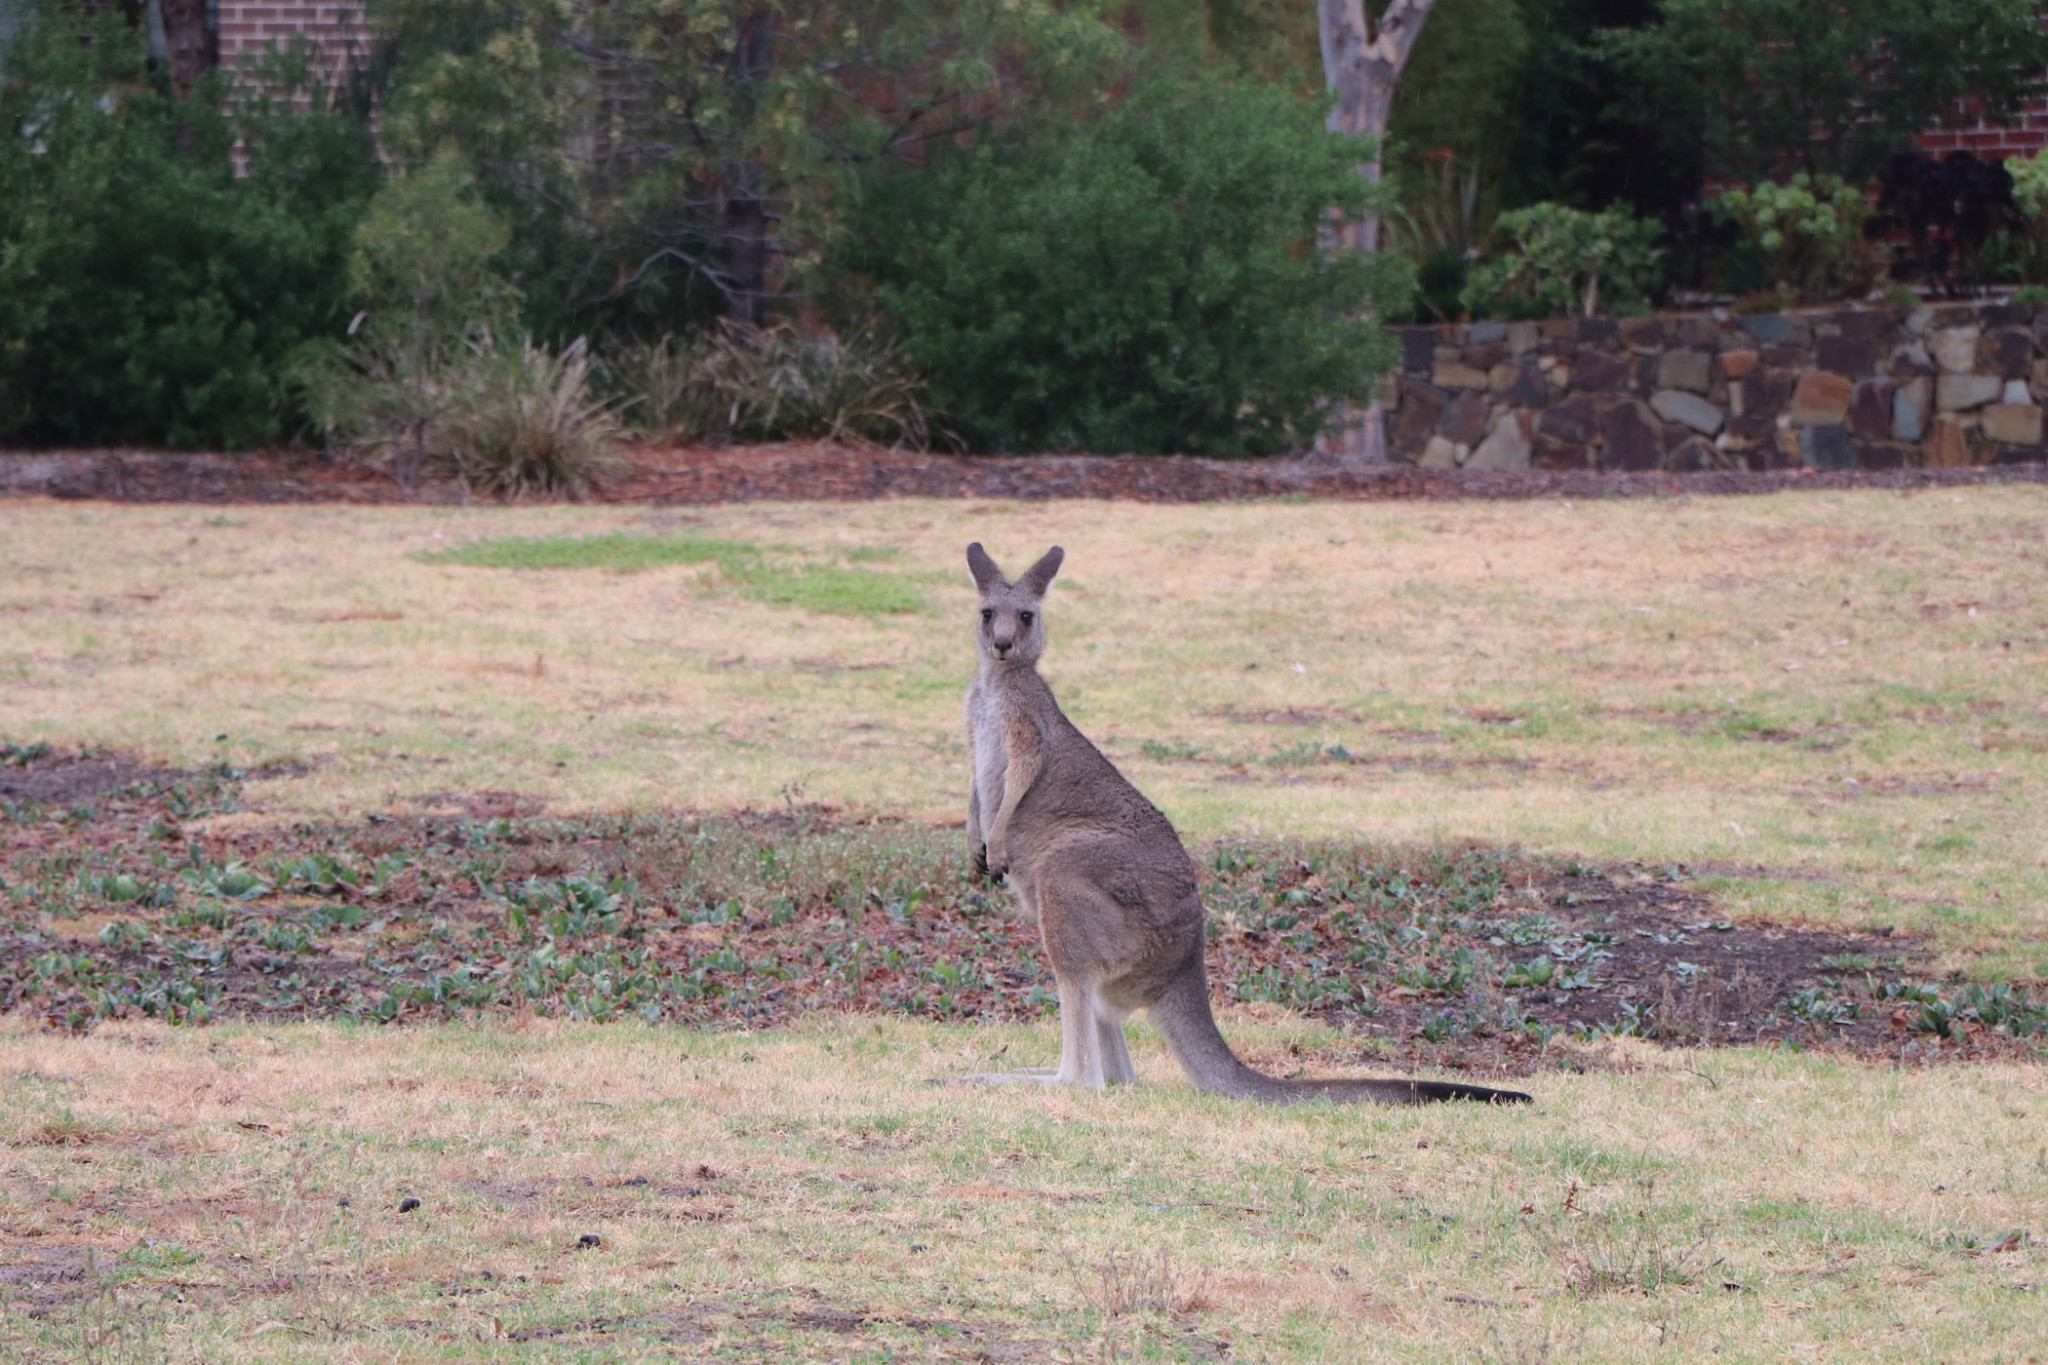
827,472
38,1278
28,777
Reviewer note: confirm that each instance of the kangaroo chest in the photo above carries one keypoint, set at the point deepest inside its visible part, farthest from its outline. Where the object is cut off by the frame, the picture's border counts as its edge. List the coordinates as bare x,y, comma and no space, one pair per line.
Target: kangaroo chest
992,713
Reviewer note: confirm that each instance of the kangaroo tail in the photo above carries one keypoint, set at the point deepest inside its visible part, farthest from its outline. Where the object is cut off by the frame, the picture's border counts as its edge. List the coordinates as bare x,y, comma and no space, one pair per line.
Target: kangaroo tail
1184,1020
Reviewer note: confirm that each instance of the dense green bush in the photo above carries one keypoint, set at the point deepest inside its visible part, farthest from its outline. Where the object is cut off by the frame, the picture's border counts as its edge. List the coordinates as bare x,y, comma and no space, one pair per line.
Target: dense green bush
148,294
1150,281
1563,259
1808,231
2030,197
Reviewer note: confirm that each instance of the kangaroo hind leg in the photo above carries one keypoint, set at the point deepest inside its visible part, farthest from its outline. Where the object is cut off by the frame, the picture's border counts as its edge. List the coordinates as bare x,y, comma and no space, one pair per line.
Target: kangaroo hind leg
1082,1030
1114,1049
1081,1035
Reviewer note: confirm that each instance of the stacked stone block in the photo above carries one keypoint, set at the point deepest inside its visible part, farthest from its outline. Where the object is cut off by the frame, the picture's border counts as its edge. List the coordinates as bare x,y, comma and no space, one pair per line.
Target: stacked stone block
1872,388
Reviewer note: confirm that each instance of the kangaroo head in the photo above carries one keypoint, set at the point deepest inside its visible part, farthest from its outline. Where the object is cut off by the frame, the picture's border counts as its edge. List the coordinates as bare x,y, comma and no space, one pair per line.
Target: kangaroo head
1011,628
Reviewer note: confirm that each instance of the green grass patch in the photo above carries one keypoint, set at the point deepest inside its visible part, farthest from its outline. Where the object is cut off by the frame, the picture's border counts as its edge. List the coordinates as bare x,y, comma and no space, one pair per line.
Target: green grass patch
772,579
620,551
827,588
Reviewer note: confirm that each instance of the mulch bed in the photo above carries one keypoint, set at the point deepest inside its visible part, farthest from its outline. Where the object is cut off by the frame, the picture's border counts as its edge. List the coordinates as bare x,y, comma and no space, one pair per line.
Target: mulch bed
827,472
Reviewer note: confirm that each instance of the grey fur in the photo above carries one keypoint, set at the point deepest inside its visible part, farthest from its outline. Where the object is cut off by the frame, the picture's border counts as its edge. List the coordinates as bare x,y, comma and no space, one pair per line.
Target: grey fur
1112,888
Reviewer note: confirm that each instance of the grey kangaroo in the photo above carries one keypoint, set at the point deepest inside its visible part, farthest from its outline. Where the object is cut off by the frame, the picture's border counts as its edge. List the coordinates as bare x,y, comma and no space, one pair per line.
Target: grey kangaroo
1105,875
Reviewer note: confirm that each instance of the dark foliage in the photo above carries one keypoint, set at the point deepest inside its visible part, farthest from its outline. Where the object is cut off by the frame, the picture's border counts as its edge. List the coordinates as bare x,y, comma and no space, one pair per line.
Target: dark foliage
1766,87
1580,132
148,294
1939,215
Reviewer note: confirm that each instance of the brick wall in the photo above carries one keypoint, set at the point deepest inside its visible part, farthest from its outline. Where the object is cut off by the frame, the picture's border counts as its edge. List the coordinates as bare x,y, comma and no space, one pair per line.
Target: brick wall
246,29
1968,131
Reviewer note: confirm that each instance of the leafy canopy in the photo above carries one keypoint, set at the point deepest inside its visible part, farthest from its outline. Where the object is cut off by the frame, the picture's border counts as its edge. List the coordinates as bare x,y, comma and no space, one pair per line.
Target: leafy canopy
664,161
1826,86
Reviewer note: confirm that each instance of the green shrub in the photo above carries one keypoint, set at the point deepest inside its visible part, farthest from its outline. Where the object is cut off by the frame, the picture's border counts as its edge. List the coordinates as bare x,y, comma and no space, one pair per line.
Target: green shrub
655,386
1563,259
1149,281
147,294
1808,231
1758,85
2030,195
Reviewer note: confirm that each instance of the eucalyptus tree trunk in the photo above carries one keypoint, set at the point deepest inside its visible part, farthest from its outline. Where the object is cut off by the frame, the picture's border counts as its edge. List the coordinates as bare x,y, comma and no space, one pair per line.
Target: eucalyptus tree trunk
190,42
1362,61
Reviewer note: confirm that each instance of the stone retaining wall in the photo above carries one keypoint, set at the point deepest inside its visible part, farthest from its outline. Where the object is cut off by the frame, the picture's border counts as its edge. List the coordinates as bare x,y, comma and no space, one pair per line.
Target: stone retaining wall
1942,385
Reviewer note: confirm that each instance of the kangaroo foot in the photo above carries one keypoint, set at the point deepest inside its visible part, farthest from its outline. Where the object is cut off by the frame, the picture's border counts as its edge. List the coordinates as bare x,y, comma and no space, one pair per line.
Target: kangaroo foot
1035,1075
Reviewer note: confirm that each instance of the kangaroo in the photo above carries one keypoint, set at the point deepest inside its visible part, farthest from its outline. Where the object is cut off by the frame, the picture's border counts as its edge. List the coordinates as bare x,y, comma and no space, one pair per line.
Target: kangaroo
1105,875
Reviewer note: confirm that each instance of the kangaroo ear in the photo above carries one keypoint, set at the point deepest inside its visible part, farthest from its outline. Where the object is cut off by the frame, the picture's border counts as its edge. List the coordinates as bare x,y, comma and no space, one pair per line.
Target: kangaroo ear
986,574
1038,577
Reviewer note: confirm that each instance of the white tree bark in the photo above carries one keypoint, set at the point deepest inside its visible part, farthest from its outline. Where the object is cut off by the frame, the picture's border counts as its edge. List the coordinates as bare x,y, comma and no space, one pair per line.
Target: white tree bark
1362,60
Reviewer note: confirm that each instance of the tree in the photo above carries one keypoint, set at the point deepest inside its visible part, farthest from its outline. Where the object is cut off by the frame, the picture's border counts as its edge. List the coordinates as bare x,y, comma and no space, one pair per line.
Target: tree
1362,60
1458,90
1827,86
1273,40
425,267
1581,133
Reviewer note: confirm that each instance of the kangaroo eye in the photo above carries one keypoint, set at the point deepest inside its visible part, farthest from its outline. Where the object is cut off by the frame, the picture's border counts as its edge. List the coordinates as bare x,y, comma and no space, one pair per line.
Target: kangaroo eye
987,615
1025,617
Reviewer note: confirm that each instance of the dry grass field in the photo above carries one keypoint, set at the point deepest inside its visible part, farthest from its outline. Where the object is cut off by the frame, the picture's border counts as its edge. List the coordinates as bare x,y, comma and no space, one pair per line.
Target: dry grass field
1821,711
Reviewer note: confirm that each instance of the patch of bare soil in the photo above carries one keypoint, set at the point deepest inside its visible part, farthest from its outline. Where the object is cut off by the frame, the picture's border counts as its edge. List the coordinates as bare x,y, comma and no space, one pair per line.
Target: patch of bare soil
822,471
699,1322
118,903
40,1277
82,777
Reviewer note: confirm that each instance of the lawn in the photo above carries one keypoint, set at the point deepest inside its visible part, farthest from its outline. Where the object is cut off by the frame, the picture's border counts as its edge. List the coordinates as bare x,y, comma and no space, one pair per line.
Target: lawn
1472,728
